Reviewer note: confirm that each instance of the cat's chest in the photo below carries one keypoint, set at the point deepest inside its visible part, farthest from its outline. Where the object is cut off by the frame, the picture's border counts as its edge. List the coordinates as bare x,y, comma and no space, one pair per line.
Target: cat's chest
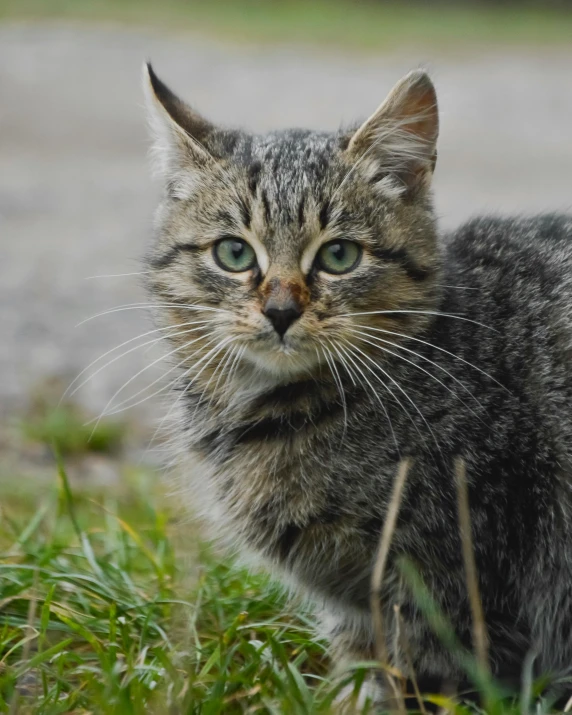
259,482
292,474
282,494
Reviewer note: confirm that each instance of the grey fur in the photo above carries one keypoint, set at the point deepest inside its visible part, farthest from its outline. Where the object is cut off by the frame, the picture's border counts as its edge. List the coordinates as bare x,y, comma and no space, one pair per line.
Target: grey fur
291,448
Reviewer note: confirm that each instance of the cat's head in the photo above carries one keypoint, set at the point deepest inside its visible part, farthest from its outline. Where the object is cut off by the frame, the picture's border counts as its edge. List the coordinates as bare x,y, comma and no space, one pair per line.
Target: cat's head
287,248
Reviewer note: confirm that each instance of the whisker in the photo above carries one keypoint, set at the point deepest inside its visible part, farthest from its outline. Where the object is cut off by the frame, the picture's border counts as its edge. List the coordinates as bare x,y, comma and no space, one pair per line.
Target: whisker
339,385
233,370
344,363
220,345
443,285
147,306
126,403
219,367
104,413
420,312
118,275
377,397
166,416
365,355
421,357
435,347
229,358
410,362
234,366
122,345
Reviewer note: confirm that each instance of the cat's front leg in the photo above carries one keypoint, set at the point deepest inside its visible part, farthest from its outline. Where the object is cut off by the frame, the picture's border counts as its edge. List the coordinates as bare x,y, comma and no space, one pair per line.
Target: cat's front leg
349,640
371,698
413,649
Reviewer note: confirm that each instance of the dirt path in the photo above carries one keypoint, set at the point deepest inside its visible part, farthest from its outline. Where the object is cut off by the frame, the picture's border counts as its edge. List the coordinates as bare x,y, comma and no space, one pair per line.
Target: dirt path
76,199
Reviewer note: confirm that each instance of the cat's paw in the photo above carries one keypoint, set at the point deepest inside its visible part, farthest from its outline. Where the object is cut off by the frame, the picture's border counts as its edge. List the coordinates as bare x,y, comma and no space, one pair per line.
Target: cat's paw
369,699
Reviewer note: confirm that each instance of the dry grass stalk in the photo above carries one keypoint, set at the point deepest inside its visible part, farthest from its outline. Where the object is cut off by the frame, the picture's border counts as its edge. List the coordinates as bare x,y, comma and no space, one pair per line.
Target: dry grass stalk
381,653
404,644
480,636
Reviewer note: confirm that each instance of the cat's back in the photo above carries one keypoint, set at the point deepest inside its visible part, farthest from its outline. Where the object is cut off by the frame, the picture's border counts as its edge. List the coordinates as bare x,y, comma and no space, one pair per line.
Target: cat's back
533,252
513,276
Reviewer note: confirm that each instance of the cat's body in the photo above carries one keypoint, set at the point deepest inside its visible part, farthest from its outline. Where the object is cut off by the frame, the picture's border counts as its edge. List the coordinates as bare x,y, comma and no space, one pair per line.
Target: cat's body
279,474
467,355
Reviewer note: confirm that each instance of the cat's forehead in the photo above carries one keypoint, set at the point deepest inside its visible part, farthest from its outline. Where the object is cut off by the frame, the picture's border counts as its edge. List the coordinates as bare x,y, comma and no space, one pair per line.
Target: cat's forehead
291,174
292,149
286,164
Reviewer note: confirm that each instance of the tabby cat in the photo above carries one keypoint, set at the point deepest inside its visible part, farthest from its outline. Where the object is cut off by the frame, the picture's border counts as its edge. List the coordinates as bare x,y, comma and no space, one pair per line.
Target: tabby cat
323,330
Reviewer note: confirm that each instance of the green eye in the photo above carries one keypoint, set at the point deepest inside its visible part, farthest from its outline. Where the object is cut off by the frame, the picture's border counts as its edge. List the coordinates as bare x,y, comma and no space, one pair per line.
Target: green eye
338,256
234,254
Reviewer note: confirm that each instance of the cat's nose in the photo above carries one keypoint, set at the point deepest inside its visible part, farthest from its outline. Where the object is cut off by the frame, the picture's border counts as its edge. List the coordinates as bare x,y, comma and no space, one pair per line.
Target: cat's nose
282,314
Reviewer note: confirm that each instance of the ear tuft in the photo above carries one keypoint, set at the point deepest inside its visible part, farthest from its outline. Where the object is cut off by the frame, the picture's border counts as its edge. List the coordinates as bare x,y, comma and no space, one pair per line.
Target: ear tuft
180,134
398,142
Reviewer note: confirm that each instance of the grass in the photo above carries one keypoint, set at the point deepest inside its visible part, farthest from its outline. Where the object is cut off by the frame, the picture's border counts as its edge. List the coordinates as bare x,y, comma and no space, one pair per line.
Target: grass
67,426
49,419
99,615
366,25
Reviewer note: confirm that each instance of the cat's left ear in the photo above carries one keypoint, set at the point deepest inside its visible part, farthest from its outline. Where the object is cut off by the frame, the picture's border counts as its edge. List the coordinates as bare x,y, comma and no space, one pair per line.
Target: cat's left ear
181,136
396,146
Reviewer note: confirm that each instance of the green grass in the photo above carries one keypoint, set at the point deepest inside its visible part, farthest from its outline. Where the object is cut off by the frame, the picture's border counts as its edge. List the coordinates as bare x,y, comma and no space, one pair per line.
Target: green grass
355,24
49,420
100,612
68,427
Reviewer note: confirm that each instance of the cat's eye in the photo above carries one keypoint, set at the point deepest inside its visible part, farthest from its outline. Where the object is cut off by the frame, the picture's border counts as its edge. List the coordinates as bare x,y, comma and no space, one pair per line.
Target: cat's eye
234,255
338,256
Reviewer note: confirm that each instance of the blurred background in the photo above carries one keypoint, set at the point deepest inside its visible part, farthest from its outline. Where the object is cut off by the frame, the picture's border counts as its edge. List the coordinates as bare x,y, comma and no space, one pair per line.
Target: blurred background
76,197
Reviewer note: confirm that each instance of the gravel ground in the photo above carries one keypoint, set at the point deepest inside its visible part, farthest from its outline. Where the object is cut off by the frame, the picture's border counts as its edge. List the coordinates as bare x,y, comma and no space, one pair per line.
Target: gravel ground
76,199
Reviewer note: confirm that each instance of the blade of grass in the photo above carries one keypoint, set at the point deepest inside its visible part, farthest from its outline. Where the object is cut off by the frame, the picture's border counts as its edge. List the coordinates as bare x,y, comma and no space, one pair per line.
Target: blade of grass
67,492
492,693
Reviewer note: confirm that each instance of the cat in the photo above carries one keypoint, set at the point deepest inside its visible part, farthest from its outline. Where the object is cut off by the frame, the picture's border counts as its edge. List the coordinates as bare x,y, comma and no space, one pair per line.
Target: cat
324,330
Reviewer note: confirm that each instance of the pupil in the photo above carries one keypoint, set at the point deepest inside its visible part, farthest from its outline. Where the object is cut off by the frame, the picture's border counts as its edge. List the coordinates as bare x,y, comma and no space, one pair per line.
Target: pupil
338,251
236,249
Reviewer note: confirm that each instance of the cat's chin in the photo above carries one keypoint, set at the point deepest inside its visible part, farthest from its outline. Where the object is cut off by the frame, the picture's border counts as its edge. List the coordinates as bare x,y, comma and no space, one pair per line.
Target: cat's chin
282,364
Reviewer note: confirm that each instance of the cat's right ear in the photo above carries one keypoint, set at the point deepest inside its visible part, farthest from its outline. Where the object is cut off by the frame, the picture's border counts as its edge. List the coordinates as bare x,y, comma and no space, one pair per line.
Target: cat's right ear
180,135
